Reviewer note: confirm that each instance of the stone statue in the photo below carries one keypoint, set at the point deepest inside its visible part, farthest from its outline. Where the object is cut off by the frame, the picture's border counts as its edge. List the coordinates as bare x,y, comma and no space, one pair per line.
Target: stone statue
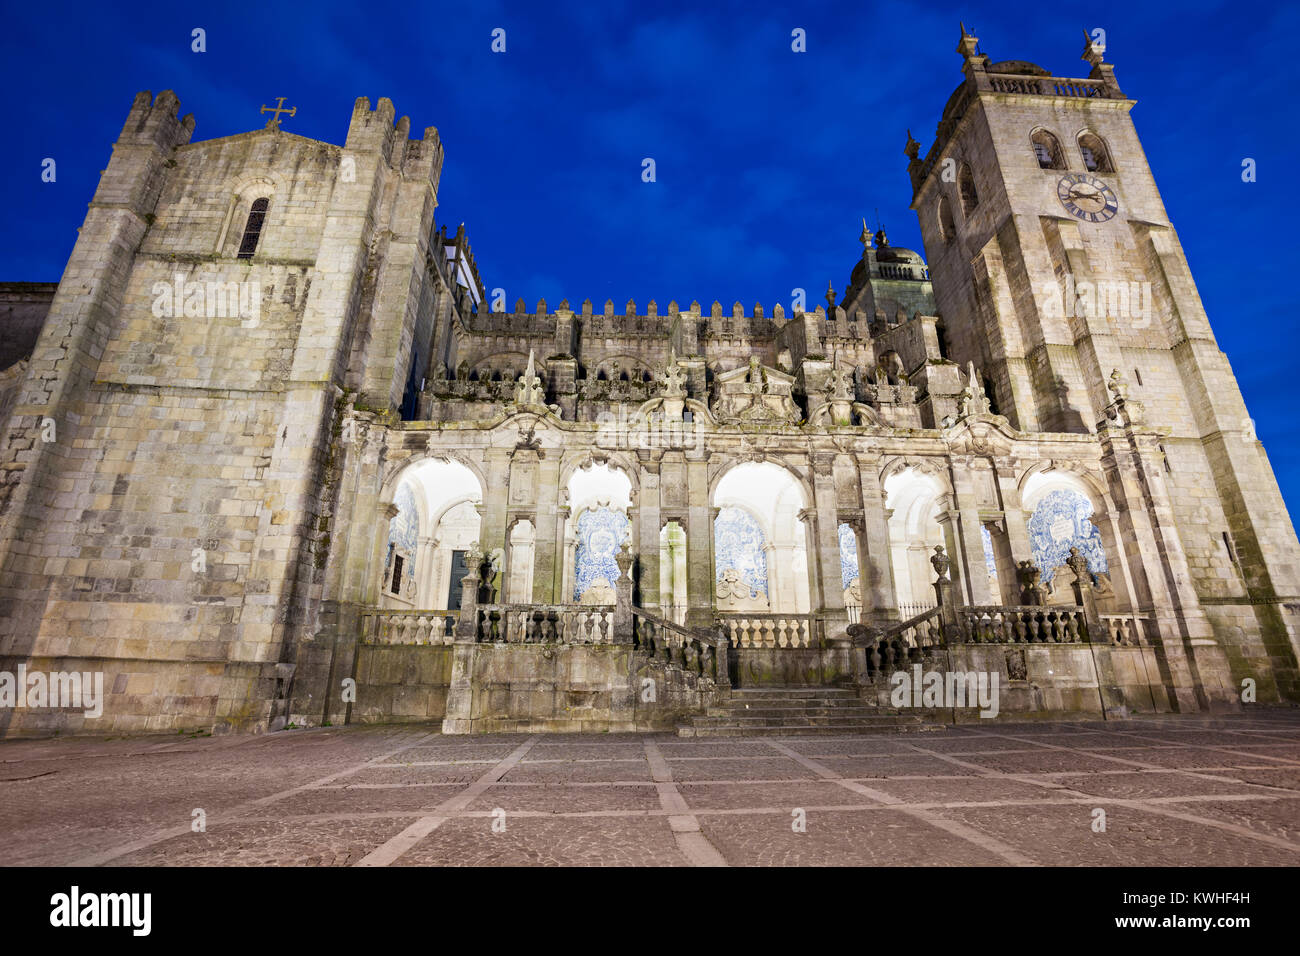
1077,563
1030,590
841,383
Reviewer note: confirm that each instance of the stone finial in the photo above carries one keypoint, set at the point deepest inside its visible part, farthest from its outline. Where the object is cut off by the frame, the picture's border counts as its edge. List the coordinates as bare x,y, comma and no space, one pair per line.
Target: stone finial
674,378
940,562
968,45
865,236
973,399
830,298
911,151
1118,387
1094,51
1077,563
623,557
530,391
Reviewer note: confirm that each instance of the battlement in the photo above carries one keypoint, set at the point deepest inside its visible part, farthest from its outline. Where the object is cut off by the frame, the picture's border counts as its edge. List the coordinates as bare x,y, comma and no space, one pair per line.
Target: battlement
370,130
153,121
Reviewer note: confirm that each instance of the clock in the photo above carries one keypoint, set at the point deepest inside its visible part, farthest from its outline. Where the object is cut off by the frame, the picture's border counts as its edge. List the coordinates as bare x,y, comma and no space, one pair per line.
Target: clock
1087,197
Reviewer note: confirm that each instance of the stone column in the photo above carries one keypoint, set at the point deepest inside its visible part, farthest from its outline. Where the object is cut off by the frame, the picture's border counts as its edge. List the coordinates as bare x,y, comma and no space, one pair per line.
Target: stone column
426,567
623,597
949,525
546,553
699,545
467,626
1162,579
827,536
808,518
1112,699
878,588
650,518
970,538
492,524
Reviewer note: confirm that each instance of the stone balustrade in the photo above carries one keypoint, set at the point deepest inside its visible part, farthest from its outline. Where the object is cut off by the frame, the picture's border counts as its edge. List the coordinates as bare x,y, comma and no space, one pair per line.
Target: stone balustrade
408,627
1125,630
770,630
544,624
1030,624
696,654
914,641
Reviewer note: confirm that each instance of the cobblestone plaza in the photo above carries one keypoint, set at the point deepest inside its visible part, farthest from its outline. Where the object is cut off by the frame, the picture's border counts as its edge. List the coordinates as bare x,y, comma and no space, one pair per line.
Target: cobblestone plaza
1174,791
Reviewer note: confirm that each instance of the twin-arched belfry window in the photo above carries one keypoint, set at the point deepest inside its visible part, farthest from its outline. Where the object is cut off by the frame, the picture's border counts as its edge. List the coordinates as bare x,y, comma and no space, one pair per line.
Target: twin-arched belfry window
1092,150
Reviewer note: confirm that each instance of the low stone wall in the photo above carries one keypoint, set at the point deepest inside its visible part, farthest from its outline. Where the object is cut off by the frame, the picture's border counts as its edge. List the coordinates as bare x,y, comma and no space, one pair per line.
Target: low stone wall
1051,681
401,682
541,688
154,696
793,666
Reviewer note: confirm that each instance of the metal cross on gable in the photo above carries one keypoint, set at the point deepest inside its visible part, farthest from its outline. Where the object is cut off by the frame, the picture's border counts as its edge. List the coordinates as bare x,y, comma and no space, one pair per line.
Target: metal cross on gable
274,121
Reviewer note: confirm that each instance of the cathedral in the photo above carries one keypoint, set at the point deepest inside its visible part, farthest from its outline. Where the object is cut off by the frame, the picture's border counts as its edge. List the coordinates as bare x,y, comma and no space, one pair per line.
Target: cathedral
273,454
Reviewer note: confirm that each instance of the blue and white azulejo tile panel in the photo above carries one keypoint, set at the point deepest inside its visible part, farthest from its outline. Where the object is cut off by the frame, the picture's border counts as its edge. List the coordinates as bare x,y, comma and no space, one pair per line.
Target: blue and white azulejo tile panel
1059,523
601,533
739,543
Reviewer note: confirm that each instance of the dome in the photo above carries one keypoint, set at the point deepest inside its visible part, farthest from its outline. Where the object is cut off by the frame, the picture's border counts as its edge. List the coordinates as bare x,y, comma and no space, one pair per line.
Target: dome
1019,68
899,254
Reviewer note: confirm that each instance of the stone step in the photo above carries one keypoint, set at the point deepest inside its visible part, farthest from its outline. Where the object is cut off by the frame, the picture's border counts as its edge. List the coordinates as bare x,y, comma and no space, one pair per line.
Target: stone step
781,730
803,710
752,699
803,720
777,711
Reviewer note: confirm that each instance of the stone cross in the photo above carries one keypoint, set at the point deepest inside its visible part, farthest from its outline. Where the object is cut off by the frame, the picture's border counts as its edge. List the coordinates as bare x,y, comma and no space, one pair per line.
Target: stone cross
274,121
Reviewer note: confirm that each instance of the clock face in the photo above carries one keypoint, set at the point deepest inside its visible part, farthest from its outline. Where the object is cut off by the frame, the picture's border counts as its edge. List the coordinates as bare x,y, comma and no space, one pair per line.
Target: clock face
1087,197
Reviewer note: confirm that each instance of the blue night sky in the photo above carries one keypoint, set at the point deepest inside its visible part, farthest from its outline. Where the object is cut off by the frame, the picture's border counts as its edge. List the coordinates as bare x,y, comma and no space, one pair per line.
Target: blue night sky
767,160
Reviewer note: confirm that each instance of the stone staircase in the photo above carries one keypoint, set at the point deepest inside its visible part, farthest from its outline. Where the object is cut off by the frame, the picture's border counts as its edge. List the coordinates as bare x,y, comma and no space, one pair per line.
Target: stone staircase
772,711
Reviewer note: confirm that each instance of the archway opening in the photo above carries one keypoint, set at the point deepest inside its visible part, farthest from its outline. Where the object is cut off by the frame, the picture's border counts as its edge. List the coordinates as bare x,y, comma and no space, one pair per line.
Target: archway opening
598,525
435,522
912,506
672,572
760,541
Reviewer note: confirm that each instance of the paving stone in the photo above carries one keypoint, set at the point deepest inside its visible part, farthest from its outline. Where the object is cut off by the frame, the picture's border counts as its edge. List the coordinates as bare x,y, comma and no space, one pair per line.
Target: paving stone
336,796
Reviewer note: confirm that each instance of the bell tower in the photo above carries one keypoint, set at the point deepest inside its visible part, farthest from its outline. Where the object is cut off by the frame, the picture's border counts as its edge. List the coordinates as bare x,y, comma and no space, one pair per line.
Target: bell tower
1054,265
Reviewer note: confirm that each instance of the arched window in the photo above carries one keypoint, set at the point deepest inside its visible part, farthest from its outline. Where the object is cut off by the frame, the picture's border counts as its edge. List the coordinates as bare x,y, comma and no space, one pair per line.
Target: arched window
1096,157
1047,149
966,186
252,231
947,227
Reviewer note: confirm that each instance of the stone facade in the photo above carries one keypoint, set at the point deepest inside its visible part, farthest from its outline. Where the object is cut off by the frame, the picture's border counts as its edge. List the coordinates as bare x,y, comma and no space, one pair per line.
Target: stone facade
273,458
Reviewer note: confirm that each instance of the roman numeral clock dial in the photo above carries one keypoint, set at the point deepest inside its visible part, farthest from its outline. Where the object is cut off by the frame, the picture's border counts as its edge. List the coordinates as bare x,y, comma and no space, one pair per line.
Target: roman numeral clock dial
1087,197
